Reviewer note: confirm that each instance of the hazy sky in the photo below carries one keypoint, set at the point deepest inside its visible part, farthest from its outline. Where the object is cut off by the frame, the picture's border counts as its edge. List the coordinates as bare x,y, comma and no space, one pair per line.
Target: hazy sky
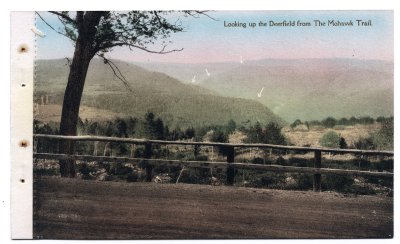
207,40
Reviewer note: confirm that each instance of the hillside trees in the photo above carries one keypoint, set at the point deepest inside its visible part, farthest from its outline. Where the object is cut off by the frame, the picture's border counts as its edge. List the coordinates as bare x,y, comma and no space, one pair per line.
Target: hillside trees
95,33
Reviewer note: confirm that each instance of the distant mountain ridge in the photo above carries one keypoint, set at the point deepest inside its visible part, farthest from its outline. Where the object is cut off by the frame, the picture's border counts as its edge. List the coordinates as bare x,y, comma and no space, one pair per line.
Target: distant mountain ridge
299,88
178,104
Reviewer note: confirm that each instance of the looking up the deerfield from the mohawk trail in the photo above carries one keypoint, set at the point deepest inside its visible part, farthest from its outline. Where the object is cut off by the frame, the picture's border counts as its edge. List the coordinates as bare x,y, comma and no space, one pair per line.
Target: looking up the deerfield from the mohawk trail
213,124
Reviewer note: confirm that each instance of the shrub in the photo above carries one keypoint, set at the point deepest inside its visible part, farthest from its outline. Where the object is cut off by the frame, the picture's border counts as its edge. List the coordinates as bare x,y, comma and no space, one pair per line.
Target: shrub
341,183
304,181
330,139
383,139
268,179
119,170
132,177
273,134
364,144
301,162
86,170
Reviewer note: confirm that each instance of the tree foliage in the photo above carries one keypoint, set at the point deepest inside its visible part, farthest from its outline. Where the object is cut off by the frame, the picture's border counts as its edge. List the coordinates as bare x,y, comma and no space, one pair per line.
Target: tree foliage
271,134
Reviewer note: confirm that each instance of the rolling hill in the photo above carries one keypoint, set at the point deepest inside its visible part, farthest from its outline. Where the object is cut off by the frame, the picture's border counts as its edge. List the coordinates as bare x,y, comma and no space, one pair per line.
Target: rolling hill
307,89
178,104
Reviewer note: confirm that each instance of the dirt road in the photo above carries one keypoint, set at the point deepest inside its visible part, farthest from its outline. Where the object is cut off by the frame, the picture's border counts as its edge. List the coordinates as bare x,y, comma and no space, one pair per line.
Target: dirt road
78,209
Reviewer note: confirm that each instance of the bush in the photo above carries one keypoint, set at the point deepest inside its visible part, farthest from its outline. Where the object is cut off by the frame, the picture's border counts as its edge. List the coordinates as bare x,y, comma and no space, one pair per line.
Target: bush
364,144
86,171
304,181
199,175
268,179
301,162
273,134
270,135
341,183
383,139
330,139
119,170
132,177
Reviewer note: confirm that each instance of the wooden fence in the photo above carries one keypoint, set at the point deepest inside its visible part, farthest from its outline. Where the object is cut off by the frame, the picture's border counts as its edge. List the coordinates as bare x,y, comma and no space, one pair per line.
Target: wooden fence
229,149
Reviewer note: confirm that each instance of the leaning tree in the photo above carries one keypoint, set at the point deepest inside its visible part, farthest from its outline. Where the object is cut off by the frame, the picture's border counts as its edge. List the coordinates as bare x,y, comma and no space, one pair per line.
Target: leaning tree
95,33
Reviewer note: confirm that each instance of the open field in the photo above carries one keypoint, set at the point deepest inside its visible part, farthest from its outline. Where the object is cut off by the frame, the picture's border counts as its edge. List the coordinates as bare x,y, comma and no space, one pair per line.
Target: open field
52,112
78,209
311,137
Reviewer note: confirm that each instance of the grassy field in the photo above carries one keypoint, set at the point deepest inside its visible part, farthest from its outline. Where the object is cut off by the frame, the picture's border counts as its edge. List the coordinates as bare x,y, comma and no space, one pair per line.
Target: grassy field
79,209
311,137
52,113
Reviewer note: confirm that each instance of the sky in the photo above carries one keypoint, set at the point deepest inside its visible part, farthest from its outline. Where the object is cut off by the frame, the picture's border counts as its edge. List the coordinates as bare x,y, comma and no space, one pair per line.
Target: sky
206,40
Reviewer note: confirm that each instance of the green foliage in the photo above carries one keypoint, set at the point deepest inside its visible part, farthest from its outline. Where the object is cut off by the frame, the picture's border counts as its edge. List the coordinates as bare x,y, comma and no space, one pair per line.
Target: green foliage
365,144
329,122
272,178
303,181
342,143
330,139
341,183
121,128
253,178
296,123
271,134
366,120
189,133
219,136
380,140
198,176
86,171
230,126
119,171
384,138
43,145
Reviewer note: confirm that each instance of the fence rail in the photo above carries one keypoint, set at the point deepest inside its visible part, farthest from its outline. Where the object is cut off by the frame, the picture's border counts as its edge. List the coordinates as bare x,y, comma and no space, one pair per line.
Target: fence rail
161,142
229,165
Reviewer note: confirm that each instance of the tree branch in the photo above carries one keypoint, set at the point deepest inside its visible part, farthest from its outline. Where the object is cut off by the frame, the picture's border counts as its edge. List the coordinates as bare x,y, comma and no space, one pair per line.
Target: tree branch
117,72
53,27
196,13
158,18
66,17
162,51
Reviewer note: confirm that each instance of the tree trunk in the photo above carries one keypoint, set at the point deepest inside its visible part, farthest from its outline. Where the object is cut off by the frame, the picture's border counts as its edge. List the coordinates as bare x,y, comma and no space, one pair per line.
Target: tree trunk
76,80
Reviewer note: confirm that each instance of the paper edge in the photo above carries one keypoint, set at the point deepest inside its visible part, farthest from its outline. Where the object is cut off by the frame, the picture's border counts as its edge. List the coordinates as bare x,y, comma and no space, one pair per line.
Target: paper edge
22,72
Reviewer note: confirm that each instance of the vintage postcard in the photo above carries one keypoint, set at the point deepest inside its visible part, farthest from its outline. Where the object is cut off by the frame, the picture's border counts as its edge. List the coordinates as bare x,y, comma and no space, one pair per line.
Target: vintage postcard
203,124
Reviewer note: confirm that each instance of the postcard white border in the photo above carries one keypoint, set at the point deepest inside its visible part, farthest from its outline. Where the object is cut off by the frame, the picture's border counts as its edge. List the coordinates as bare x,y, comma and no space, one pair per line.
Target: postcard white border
173,4
22,71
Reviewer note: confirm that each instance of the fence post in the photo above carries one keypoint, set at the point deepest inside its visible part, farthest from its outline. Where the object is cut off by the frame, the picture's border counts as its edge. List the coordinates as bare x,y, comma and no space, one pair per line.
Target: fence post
317,177
230,171
148,167
196,151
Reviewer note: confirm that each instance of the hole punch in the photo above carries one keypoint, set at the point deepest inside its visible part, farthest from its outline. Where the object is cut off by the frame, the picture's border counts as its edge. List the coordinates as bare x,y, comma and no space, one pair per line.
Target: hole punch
23,143
22,180
23,48
23,85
